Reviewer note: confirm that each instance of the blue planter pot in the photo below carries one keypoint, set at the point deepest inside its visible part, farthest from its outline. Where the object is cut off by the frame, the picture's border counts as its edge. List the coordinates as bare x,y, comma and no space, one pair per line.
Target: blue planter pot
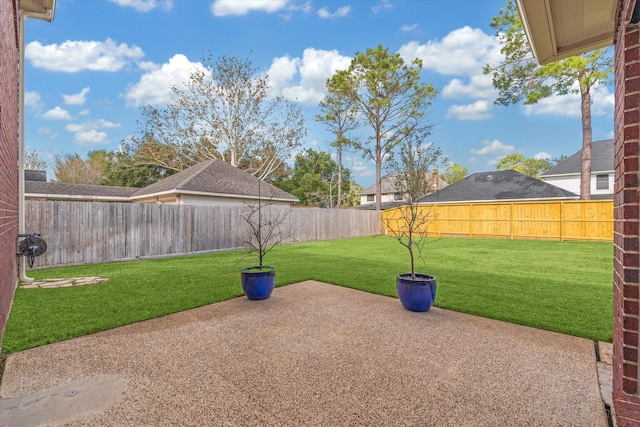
416,294
258,283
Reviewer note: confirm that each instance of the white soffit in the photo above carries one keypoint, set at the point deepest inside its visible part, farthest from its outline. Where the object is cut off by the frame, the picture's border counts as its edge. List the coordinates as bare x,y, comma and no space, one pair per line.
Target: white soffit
557,29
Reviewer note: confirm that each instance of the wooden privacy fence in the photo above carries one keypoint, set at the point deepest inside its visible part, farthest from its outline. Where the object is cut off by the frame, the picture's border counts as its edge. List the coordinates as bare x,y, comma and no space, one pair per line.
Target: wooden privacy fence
550,220
93,232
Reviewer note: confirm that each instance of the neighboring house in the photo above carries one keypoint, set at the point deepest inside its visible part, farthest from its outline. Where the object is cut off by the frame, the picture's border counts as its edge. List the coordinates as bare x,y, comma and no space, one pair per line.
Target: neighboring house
390,195
498,186
213,182
566,174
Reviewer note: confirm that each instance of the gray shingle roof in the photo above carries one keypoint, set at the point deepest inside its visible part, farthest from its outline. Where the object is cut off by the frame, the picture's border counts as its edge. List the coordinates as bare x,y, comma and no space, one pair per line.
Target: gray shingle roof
215,177
601,160
80,190
498,185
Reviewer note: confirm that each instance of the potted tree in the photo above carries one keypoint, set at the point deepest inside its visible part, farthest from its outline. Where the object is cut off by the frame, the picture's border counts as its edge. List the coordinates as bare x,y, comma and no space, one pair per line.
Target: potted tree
265,231
414,173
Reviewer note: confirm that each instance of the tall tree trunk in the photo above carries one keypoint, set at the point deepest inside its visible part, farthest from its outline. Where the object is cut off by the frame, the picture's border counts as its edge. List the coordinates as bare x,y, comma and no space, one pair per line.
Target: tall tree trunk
585,174
339,155
378,178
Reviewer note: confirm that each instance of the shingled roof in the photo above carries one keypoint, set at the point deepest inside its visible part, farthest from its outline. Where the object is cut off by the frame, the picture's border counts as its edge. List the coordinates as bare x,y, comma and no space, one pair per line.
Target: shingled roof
601,160
214,177
54,190
498,185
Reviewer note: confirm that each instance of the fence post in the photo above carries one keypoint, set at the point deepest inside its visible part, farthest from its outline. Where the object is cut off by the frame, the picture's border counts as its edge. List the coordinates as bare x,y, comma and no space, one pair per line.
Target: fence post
561,221
511,205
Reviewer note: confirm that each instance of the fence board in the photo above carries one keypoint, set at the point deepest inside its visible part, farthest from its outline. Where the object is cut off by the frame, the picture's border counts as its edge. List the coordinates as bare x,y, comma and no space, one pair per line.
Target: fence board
93,232
549,220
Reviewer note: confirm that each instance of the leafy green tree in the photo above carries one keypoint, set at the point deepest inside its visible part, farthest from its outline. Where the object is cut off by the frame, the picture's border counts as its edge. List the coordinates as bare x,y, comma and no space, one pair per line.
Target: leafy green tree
389,97
225,111
528,166
339,117
123,171
352,195
520,77
454,173
314,179
559,159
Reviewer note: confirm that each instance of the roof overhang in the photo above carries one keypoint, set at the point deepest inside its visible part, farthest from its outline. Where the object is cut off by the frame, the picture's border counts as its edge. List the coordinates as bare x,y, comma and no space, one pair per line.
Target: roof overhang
178,192
557,29
38,9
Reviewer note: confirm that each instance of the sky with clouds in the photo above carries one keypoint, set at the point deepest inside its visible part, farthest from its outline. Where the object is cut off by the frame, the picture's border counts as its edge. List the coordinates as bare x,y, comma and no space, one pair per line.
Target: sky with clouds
89,71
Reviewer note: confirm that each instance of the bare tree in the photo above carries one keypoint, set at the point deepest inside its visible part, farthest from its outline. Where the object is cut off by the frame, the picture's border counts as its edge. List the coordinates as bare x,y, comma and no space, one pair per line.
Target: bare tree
33,160
223,111
413,176
267,227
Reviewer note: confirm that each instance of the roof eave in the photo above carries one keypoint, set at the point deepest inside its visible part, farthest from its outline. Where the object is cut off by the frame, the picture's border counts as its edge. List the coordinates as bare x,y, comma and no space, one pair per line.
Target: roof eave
204,193
533,199
541,23
77,197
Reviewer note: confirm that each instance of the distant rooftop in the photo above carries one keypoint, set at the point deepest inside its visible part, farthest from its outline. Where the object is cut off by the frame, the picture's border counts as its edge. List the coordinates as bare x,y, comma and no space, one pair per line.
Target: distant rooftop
498,185
601,160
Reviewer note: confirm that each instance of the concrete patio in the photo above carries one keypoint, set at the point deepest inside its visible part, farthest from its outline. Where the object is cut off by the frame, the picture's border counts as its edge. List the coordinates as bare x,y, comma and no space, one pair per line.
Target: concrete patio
313,354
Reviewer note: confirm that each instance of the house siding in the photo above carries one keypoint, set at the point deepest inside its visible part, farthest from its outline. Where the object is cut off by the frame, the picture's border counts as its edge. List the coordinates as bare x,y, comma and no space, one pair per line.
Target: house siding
626,321
572,182
9,76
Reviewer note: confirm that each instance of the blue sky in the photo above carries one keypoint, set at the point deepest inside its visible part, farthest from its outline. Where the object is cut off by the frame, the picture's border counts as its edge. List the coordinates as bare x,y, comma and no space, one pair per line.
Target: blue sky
90,70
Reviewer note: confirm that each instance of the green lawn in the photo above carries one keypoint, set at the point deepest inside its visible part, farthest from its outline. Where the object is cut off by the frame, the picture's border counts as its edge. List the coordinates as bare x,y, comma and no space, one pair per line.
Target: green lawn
558,286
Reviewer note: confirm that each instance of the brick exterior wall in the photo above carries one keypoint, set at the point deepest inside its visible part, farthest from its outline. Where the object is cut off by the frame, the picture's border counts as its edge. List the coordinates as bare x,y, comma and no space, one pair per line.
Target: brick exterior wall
626,324
9,80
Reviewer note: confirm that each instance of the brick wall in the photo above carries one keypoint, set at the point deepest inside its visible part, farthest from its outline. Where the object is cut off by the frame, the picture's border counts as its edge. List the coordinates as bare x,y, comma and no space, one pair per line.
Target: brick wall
9,56
627,214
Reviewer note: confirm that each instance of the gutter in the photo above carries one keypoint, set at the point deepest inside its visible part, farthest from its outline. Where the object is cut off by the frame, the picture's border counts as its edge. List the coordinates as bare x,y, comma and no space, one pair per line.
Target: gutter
47,15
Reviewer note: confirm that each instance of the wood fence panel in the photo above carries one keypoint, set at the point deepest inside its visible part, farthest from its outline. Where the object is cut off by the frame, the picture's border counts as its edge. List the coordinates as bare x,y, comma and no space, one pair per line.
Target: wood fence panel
536,220
550,220
452,220
86,232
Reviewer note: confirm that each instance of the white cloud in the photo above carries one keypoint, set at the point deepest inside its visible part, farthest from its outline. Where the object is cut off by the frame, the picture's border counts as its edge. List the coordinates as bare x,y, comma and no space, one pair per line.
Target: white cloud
145,5
154,87
57,113
89,133
557,105
33,100
235,7
409,28
384,5
543,156
303,79
478,110
358,167
464,51
479,86
494,147
339,13
91,136
602,103
73,56
77,98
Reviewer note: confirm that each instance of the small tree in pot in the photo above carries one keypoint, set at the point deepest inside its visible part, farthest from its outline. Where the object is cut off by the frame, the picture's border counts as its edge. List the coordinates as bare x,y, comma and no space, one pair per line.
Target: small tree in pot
414,174
266,224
